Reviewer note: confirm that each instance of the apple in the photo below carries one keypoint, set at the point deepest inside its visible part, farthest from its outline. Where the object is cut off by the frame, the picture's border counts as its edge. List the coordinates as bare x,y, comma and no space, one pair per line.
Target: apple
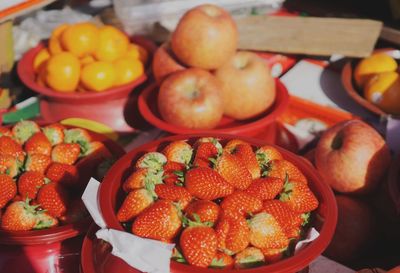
164,63
191,98
247,85
352,157
205,37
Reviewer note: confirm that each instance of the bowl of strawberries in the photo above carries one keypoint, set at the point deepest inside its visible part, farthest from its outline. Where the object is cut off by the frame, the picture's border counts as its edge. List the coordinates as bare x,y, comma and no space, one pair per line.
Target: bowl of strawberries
225,202
43,172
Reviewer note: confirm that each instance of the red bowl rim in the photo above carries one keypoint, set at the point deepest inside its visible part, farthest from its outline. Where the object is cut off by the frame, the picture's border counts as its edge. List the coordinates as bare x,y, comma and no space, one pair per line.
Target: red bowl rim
291,264
277,109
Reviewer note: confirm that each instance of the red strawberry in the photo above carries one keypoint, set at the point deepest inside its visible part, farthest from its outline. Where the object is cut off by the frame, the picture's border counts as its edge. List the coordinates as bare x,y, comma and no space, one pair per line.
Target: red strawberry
152,160
174,193
199,245
234,171
4,131
299,197
66,153
281,168
265,188
23,130
161,221
78,136
45,220
10,147
76,212
53,198
96,150
205,183
248,258
37,162
244,152
205,151
134,203
273,255
232,233
241,203
19,216
222,260
9,165
178,151
8,189
54,133
174,173
206,210
136,180
29,184
38,144
63,173
266,154
265,232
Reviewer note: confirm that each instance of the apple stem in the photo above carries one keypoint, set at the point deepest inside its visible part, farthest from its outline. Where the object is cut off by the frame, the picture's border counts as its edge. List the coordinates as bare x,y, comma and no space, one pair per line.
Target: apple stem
337,141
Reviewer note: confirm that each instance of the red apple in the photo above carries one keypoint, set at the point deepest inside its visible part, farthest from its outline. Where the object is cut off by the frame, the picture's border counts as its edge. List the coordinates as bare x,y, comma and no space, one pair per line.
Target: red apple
164,63
205,37
352,157
191,98
248,87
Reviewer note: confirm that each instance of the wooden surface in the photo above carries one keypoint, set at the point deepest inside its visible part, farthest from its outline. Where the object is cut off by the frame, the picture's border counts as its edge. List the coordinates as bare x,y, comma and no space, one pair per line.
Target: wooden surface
22,8
309,35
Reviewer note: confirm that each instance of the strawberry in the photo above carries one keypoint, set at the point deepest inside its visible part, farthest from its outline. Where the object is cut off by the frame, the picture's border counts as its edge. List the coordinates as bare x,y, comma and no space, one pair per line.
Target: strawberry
204,152
139,178
289,220
161,221
4,131
66,153
265,232
29,184
205,183
97,150
78,136
76,212
54,133
45,220
241,203
281,168
212,140
178,151
298,197
244,152
37,162
9,165
8,189
63,173
134,203
266,154
53,198
233,170
38,144
265,188
23,130
174,193
8,146
174,173
222,260
273,255
199,245
152,160
232,233
248,258
19,216
206,210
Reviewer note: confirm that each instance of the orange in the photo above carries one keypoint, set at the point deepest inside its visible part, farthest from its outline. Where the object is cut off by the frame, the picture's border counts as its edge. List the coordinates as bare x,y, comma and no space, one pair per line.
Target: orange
112,44
98,76
87,60
54,41
383,90
376,63
62,72
80,39
41,74
42,56
127,70
138,52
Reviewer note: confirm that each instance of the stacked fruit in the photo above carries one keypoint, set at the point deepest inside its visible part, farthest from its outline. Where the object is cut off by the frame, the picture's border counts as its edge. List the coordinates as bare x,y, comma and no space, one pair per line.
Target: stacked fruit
224,207
41,171
85,57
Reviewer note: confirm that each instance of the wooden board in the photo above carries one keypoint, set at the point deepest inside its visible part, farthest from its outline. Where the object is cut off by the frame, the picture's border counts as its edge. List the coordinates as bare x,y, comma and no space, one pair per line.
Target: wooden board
20,9
309,35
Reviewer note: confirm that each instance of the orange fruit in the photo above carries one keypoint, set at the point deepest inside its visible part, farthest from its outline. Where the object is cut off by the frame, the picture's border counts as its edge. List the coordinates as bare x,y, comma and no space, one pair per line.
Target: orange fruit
383,90
42,56
98,76
113,44
138,52
41,74
87,60
54,41
127,70
80,39
62,72
376,63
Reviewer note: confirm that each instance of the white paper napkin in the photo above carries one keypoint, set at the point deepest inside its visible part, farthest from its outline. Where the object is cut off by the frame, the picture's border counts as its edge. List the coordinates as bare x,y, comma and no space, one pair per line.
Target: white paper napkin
311,236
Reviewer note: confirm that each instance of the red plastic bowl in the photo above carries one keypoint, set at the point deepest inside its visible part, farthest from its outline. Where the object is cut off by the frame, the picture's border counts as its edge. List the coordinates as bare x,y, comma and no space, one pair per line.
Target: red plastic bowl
107,107
50,250
251,127
99,258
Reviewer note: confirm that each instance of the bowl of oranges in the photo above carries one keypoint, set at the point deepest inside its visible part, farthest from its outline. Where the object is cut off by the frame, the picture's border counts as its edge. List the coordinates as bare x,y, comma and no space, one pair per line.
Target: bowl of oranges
374,82
93,67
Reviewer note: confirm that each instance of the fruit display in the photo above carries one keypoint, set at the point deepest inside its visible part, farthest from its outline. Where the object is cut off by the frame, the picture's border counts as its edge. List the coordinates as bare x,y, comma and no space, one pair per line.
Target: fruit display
226,204
85,57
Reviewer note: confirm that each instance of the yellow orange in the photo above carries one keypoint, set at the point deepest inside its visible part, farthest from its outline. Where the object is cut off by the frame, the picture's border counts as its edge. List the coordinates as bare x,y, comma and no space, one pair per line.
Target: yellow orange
98,76
54,41
62,72
138,52
41,74
42,56
80,39
87,60
113,44
127,70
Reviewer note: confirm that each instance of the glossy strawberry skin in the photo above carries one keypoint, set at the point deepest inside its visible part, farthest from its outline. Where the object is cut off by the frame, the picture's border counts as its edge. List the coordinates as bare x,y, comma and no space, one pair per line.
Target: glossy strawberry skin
8,189
9,165
8,146
18,217
178,151
298,196
204,152
232,233
265,188
222,261
233,171
54,133
244,152
206,210
53,198
134,203
37,162
29,184
66,153
63,173
38,144
174,193
283,168
249,257
173,173
241,203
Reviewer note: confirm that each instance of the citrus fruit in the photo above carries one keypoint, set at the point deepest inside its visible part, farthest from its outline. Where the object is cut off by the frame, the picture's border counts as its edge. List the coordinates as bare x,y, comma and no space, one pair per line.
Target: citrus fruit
138,52
87,60
376,63
62,72
98,76
42,56
54,41
383,90
80,39
112,44
127,70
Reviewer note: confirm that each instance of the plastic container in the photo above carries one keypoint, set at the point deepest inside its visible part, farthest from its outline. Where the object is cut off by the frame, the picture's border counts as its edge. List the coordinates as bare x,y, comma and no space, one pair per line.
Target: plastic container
111,195
108,107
